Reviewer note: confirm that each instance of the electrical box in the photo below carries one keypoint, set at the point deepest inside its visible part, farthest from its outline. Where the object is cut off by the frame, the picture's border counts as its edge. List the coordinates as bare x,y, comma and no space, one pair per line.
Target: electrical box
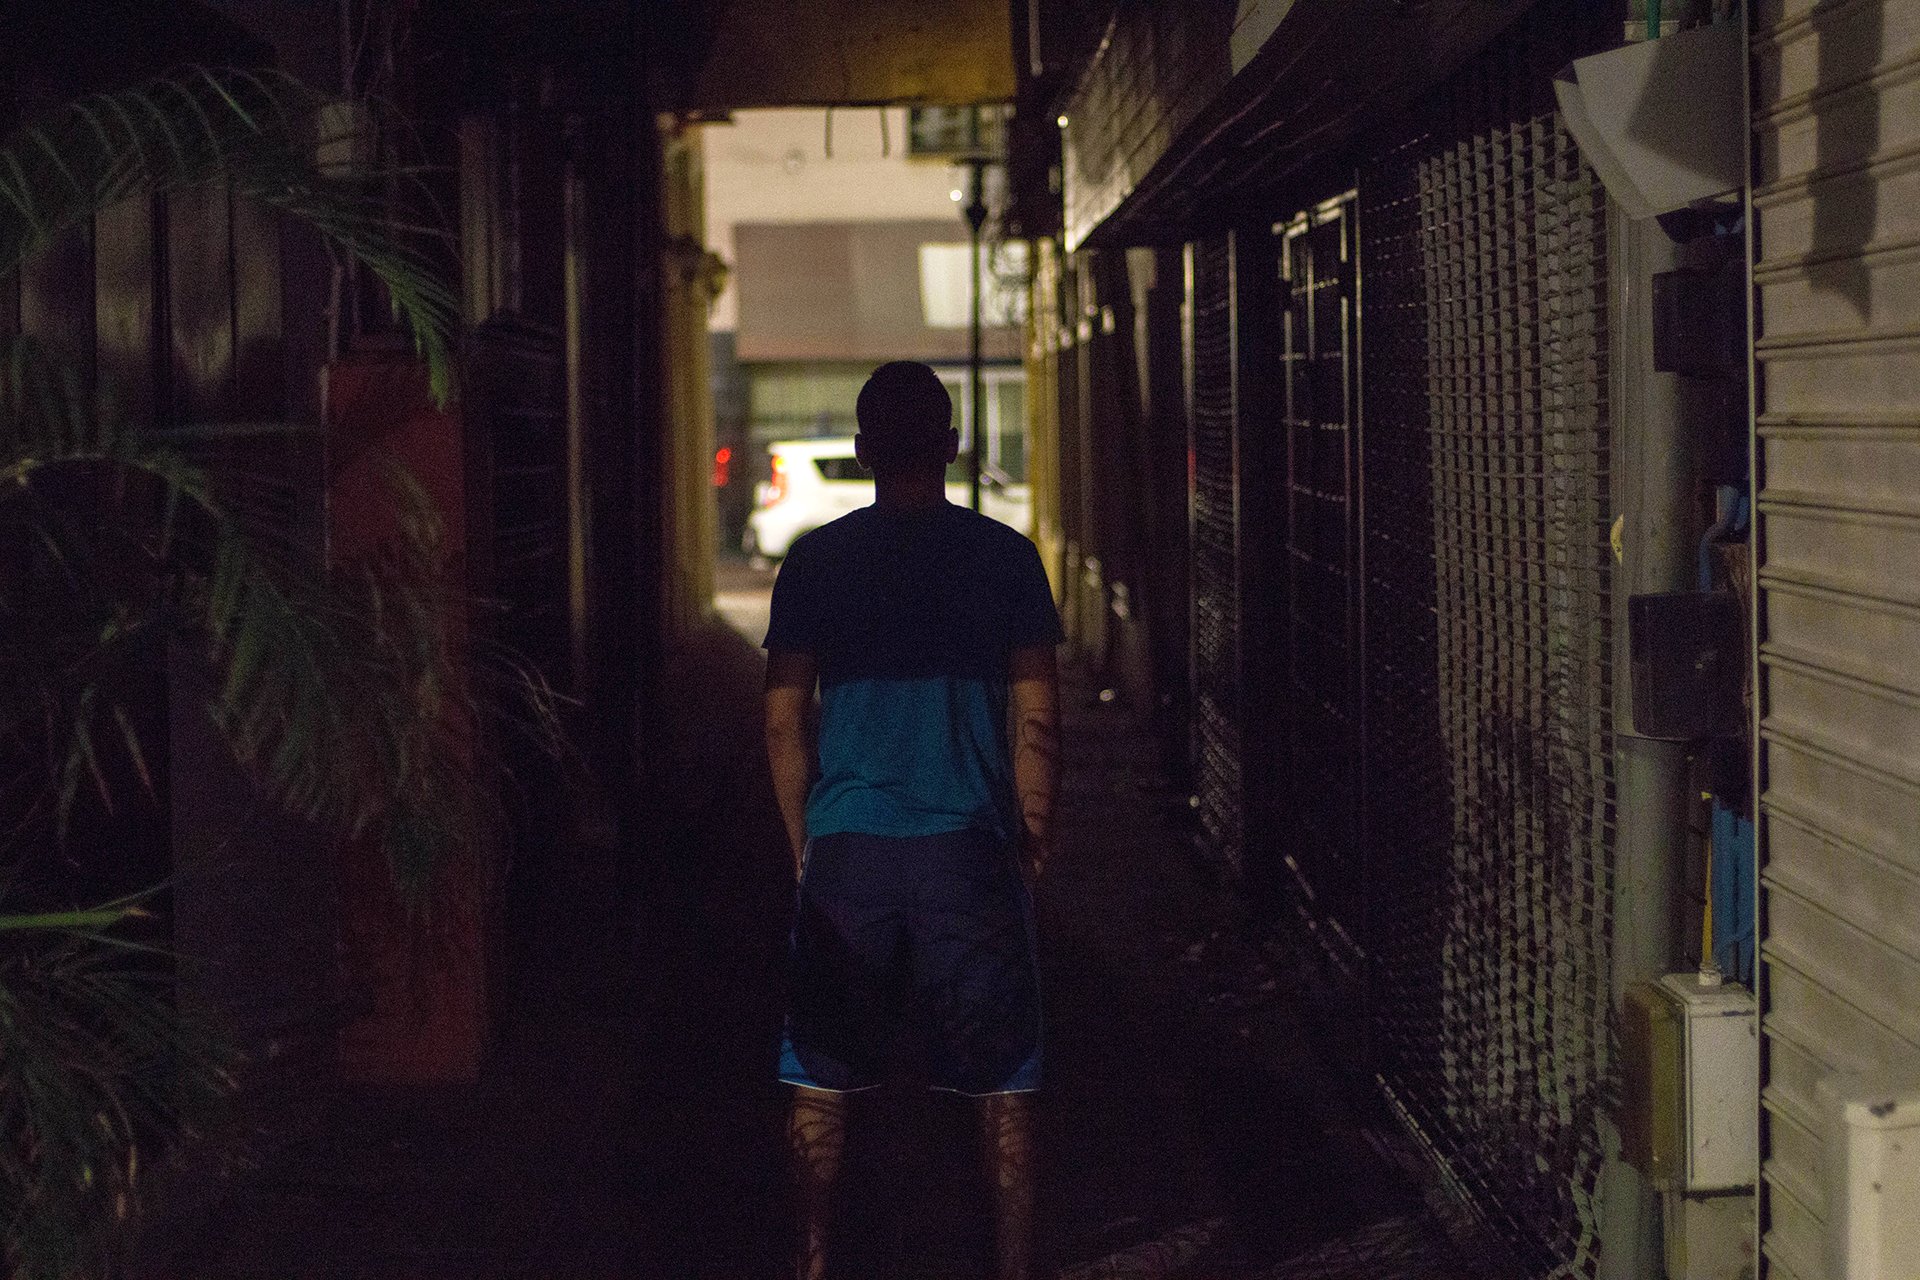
1689,659
1700,320
1709,1237
1872,1165
1693,1072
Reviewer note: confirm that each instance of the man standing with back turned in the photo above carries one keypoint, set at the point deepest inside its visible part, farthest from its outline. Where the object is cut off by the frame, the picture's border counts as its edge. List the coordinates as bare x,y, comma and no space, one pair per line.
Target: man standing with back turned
915,829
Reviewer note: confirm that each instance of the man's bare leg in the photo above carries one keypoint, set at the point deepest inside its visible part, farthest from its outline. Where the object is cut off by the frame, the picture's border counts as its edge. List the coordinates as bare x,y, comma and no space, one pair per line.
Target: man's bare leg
817,1132
1006,1145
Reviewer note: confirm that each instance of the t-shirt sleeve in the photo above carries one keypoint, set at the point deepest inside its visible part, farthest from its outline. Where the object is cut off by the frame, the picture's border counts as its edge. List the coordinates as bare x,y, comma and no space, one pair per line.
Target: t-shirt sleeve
794,625
1035,620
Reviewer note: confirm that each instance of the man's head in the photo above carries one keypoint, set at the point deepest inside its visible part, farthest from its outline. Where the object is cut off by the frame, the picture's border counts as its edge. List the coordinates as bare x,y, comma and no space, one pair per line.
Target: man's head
906,421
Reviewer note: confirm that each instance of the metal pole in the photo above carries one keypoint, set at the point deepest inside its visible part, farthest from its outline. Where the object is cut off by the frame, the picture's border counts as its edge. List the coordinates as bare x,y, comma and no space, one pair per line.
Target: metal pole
976,212
975,388
1652,489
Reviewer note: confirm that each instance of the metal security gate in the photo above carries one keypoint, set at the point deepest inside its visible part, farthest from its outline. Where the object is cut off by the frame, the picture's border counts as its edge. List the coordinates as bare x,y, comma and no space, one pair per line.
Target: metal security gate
1837,123
1320,654
1214,537
1486,625
1409,794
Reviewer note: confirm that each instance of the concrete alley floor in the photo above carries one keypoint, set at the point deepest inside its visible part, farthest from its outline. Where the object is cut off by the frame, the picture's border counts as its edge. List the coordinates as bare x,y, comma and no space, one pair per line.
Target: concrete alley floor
1185,1126
630,1126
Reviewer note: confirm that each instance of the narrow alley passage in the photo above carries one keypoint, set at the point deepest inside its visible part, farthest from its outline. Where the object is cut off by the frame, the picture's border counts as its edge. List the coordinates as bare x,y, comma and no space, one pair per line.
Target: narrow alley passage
630,1125
1474,485
1187,1129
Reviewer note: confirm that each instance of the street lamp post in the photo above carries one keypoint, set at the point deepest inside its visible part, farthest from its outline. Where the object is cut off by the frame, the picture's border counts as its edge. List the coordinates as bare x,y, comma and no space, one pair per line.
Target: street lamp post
976,213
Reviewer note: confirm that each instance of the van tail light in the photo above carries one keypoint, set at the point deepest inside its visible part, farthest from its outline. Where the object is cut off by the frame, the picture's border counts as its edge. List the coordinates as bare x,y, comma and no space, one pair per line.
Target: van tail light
777,485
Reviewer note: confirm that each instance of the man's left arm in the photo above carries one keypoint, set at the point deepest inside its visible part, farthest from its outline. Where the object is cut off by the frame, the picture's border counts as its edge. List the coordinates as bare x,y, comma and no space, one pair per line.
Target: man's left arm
791,745
1034,695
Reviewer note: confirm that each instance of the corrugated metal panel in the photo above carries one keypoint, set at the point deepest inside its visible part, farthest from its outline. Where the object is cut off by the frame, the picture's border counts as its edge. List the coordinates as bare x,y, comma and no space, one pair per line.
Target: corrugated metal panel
1836,103
1214,506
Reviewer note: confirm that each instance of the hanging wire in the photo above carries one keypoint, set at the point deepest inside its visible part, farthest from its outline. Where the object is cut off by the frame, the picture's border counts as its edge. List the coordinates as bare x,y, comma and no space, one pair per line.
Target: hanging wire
829,133
886,140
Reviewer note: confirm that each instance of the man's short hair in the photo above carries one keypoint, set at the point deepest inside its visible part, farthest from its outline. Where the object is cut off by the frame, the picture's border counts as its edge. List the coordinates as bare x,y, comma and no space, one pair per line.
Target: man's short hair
904,413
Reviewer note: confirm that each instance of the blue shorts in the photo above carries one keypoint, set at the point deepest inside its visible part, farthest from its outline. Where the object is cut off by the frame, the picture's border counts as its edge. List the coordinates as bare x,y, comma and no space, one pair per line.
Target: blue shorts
927,937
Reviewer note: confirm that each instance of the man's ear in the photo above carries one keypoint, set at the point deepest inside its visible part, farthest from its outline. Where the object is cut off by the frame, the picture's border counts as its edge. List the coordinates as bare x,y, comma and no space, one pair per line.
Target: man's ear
952,452
860,451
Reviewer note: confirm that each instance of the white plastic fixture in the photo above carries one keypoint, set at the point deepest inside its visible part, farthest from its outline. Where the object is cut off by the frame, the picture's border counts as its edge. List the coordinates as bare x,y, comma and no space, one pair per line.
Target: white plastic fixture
1872,1161
1663,122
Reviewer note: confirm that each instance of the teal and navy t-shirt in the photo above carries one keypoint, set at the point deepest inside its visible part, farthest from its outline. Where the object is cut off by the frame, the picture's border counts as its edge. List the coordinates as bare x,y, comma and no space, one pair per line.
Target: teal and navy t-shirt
911,616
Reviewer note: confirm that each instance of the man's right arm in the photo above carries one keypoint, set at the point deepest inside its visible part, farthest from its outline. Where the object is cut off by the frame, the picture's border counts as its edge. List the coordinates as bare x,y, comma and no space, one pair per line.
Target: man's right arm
1035,689
791,747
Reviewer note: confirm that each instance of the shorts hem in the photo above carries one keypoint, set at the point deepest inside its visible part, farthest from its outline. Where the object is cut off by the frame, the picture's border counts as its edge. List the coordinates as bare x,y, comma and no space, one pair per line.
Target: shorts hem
985,1093
817,1087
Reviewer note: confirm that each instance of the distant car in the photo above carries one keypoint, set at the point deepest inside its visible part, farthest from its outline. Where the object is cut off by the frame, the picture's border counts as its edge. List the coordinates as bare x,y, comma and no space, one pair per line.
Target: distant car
815,481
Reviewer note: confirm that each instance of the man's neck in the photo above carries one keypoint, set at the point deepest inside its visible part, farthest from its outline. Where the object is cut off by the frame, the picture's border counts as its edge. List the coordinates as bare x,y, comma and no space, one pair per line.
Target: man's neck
910,492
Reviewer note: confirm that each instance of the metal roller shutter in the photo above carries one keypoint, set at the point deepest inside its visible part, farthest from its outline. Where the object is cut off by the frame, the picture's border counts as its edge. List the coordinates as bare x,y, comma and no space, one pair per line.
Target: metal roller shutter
1836,116
1489,795
1214,507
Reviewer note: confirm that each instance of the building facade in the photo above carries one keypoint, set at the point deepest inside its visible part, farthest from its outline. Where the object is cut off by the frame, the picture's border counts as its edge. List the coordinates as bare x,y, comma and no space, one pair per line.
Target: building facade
1390,445
195,306
846,248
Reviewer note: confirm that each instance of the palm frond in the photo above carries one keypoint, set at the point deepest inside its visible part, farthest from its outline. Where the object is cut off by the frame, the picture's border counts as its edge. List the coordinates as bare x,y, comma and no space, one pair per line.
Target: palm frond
346,692
97,1066
89,921
261,131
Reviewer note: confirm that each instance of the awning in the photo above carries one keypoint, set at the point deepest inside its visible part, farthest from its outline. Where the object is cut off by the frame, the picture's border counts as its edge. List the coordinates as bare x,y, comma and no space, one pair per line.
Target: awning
794,53
1183,114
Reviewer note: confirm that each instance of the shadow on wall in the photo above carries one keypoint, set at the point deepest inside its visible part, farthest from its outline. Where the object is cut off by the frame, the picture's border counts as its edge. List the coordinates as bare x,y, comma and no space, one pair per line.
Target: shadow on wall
1848,42
1846,135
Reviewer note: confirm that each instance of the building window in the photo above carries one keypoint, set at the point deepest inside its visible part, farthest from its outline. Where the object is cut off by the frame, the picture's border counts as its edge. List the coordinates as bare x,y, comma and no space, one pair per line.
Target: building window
946,285
1006,405
954,131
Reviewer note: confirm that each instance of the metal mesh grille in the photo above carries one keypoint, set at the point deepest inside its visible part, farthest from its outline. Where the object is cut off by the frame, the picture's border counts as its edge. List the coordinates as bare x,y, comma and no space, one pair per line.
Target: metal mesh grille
1408,782
1322,662
1216,684
1490,776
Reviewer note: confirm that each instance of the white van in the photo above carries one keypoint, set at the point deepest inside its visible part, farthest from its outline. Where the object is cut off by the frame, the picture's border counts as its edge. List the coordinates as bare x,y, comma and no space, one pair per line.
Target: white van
815,481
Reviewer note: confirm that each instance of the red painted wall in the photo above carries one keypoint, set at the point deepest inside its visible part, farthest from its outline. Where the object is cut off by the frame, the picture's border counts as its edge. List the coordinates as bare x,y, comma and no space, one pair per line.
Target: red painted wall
420,980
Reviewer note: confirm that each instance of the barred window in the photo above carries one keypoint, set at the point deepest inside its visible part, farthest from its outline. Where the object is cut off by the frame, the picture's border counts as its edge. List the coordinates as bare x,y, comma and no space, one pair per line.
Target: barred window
953,131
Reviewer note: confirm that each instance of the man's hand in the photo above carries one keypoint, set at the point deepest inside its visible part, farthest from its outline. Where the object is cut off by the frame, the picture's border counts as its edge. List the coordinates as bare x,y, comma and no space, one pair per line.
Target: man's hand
791,744
1035,853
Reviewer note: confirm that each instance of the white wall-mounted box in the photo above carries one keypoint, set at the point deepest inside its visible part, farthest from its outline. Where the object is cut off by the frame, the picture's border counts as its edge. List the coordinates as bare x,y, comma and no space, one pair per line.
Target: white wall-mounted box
1692,1057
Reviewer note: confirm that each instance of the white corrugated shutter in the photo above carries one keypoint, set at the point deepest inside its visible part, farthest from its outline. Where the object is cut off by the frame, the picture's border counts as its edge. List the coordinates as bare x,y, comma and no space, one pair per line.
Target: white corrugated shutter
1836,105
